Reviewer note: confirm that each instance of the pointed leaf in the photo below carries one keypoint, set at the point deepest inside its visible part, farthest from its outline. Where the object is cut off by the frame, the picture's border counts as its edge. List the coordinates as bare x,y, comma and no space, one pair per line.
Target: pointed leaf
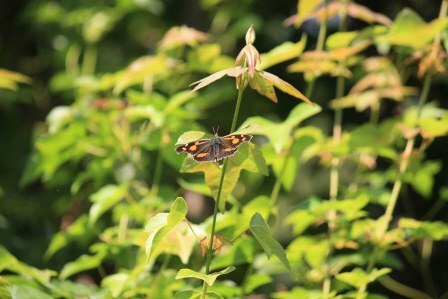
231,72
209,279
358,277
161,224
263,87
262,234
284,86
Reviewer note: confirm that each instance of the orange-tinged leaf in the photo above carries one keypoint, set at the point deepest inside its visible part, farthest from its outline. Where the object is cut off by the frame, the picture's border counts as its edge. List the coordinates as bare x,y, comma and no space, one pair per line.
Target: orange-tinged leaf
281,53
363,13
336,54
180,36
284,86
263,87
231,72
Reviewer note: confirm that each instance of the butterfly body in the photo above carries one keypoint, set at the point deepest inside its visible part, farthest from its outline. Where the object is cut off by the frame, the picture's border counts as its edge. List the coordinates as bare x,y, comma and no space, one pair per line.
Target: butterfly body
214,149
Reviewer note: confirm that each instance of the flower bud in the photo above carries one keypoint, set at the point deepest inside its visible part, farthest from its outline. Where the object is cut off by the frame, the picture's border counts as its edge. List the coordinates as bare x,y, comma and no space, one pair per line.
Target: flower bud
250,35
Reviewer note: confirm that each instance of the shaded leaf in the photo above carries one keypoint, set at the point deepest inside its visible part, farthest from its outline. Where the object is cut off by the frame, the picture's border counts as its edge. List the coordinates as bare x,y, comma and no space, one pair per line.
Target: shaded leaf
262,234
10,79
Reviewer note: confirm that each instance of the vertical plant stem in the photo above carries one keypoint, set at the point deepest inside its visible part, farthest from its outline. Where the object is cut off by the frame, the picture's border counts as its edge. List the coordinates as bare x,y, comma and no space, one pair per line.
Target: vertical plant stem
89,61
404,163
157,171
210,249
319,47
335,161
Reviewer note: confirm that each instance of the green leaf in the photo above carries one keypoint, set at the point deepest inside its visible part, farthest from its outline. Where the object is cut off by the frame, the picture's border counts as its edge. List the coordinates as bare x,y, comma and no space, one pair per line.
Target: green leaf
278,133
85,262
359,278
436,230
209,279
78,229
27,292
10,79
247,157
282,53
241,252
115,283
254,281
191,136
300,292
10,263
262,234
161,224
104,199
410,30
341,39
190,294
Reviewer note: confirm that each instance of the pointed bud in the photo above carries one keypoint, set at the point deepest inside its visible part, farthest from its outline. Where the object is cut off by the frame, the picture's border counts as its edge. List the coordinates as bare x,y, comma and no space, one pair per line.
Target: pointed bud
250,35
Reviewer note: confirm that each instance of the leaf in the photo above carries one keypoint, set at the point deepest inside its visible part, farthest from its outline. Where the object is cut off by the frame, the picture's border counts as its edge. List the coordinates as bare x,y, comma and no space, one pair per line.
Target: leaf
359,278
10,263
262,234
410,30
231,72
161,224
278,133
247,157
78,229
209,279
10,79
282,53
27,292
283,86
191,136
190,294
254,281
115,283
85,262
104,199
300,292
436,230
241,252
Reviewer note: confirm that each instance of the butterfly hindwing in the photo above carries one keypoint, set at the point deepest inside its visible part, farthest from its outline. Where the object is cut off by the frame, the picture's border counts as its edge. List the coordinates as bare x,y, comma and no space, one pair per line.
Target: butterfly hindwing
214,149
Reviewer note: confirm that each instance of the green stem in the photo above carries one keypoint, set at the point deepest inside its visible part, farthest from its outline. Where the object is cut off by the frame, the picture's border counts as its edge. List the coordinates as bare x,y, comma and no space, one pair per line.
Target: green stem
399,181
319,47
402,289
218,196
89,61
335,161
157,171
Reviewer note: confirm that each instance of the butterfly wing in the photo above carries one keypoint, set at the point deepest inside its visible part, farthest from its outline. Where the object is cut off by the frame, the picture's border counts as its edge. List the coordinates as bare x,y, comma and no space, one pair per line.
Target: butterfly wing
199,149
229,145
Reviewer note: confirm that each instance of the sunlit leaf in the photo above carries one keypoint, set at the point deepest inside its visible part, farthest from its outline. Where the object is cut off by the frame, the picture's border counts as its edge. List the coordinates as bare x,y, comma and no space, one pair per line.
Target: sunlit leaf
231,72
262,234
410,30
104,199
282,53
241,252
436,230
161,224
115,283
300,292
278,133
181,36
247,157
209,279
358,277
10,79
28,292
256,280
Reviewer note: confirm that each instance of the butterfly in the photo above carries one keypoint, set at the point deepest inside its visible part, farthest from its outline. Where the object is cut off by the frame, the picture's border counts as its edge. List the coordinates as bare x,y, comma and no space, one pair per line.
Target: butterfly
214,149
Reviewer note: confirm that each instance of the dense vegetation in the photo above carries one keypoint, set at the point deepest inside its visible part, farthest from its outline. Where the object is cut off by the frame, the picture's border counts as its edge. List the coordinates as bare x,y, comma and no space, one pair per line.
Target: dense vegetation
340,193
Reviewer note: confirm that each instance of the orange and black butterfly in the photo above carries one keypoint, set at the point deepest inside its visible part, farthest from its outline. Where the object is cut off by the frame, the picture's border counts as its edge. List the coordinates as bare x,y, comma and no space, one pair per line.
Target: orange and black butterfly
214,149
